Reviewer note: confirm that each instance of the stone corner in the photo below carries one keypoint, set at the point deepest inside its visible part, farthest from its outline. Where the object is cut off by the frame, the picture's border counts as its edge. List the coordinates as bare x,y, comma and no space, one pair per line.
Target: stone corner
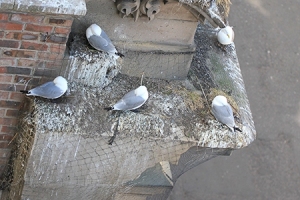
64,7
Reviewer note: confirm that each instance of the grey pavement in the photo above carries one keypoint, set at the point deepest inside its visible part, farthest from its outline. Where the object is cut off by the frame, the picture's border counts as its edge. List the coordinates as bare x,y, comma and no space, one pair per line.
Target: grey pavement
268,48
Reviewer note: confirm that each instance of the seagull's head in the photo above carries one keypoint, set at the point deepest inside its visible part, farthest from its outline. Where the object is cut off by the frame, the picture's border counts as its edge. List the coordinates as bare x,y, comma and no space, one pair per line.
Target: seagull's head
229,32
61,82
142,92
225,35
93,29
219,101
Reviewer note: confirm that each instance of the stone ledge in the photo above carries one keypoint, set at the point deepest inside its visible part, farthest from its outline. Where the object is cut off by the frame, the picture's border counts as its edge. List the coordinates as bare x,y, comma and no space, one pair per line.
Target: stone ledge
65,7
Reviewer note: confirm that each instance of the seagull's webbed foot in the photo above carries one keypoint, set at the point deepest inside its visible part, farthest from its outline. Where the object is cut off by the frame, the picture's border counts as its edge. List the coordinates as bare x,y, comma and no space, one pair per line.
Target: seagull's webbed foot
237,129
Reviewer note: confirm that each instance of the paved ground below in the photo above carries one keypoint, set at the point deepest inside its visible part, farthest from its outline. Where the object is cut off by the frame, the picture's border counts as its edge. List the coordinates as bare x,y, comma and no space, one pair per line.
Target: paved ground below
268,48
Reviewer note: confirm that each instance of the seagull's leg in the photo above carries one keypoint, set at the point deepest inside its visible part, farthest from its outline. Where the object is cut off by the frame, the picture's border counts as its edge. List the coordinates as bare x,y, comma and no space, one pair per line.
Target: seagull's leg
112,138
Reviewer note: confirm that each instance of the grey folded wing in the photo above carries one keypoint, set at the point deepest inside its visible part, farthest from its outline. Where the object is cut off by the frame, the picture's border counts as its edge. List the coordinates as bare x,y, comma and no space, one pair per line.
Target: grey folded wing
224,115
101,42
129,103
48,90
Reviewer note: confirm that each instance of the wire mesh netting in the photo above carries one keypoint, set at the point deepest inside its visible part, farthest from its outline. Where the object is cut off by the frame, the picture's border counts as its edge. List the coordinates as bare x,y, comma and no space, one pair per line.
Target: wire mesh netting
63,147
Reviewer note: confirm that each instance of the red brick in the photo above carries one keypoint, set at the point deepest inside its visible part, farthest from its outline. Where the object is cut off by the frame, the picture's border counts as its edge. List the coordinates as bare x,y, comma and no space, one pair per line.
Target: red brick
24,62
57,39
59,21
49,56
5,78
6,137
27,18
34,46
3,144
3,70
30,36
12,113
1,34
8,121
9,43
15,70
46,72
13,35
2,112
7,61
5,153
16,96
9,104
3,161
38,28
11,26
4,95
8,130
19,53
57,48
57,64
11,87
3,16
26,79
61,30
21,36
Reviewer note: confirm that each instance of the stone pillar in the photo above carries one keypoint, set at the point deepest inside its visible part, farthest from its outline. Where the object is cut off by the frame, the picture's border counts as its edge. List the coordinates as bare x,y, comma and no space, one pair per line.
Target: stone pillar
33,40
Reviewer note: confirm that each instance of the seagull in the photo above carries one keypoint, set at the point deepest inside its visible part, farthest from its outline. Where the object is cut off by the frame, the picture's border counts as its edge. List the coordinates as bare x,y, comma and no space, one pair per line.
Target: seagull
50,90
223,112
225,35
100,41
132,100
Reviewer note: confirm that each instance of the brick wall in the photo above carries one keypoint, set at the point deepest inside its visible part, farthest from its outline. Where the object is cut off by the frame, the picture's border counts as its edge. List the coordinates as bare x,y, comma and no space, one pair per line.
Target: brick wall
32,47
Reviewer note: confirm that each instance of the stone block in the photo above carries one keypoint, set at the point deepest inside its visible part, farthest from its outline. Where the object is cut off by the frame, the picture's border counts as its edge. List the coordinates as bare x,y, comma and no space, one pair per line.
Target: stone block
162,48
66,7
169,66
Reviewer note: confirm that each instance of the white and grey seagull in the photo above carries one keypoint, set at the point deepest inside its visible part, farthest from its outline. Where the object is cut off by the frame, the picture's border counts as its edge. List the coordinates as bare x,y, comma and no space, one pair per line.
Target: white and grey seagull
50,90
100,41
132,100
225,35
223,112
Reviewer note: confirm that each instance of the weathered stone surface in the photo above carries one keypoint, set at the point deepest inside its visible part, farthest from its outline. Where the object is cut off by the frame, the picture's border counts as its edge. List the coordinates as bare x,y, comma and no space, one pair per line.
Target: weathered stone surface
6,4
66,7
165,29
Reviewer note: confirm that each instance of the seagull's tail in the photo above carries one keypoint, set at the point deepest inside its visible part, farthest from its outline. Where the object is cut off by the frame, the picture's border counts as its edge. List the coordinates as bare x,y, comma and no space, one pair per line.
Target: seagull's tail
25,91
235,128
119,54
109,108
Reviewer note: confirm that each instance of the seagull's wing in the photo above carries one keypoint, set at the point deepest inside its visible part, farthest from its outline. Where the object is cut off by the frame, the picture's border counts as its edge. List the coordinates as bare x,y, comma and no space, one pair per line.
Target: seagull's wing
129,94
224,114
48,90
98,42
129,103
102,42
